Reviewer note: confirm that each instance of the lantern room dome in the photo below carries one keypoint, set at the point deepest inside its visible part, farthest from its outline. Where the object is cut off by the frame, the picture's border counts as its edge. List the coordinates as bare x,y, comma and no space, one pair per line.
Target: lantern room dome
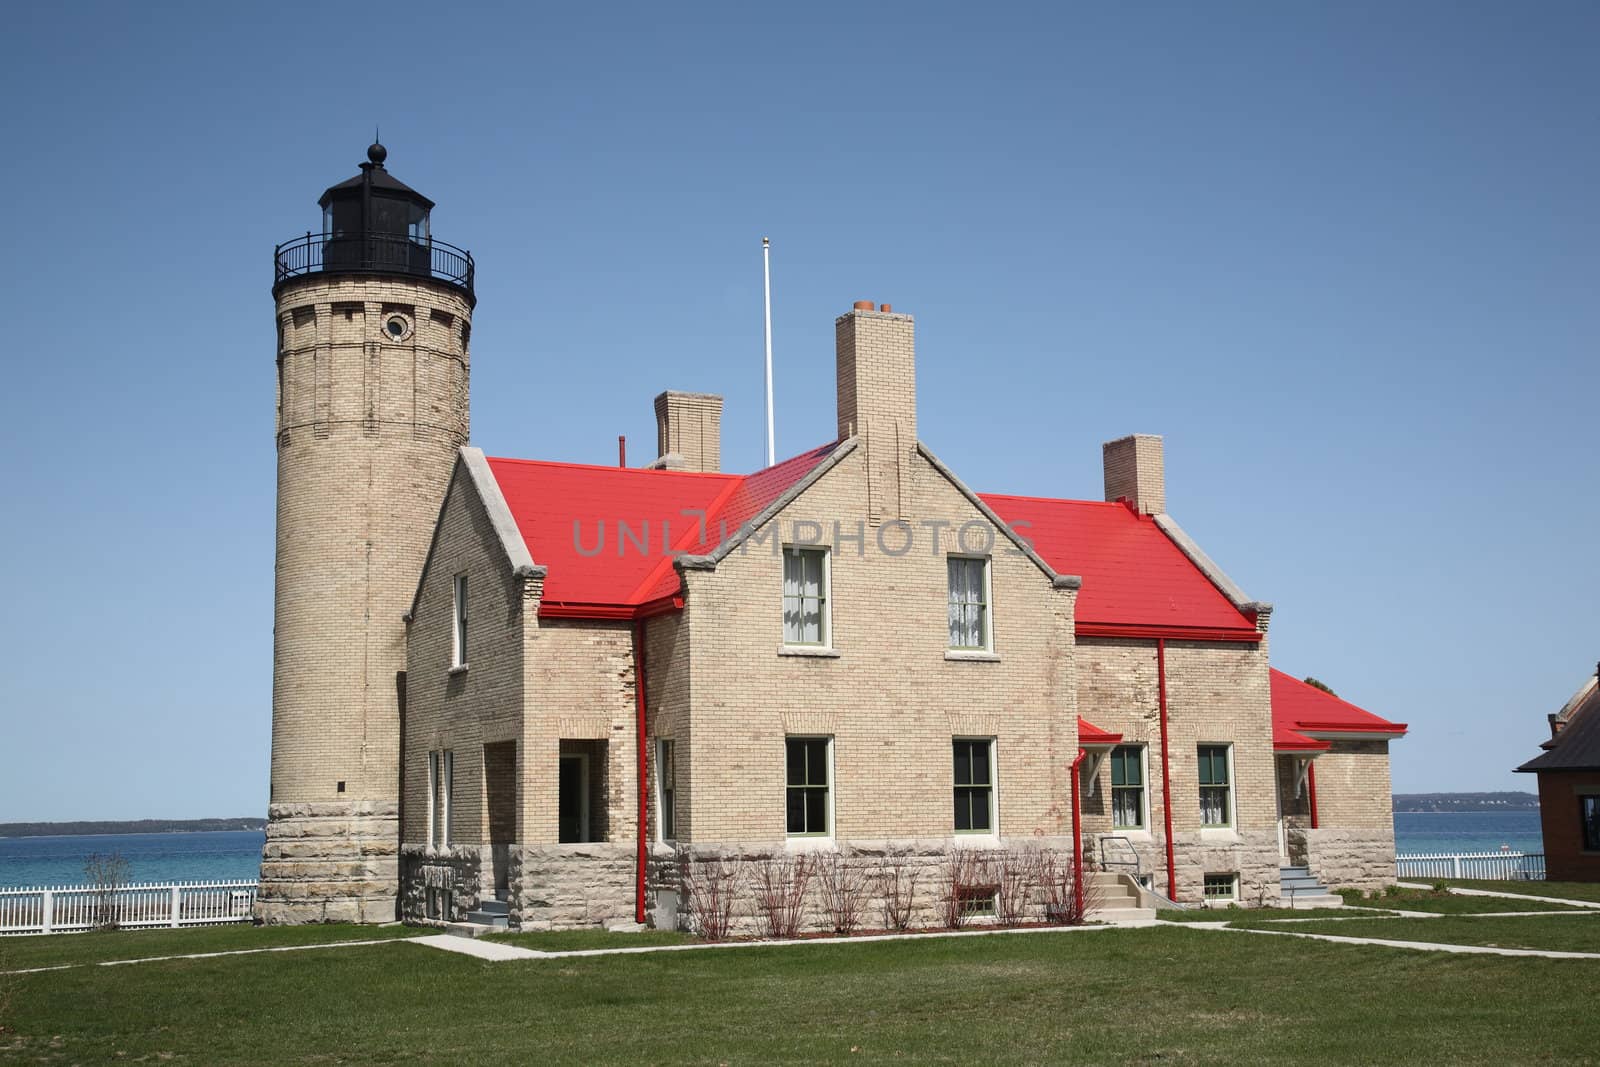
374,223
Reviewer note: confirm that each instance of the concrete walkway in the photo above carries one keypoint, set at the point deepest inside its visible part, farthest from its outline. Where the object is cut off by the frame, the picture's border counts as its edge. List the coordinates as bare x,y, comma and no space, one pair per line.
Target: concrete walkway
1464,892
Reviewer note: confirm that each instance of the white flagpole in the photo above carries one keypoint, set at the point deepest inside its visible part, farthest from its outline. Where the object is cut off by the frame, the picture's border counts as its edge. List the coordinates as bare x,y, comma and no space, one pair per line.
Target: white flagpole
766,284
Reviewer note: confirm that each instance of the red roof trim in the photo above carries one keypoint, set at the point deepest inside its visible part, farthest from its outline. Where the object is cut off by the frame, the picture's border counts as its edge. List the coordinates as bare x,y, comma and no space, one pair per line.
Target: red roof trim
1091,736
1171,633
1346,728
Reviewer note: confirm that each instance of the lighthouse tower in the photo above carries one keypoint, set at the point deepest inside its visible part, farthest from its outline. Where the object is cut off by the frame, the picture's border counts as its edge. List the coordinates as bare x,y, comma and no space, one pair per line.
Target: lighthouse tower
374,317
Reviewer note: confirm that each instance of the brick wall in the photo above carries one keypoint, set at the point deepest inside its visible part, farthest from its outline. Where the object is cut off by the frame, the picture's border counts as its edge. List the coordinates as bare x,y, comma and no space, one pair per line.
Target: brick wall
888,694
1217,693
1565,859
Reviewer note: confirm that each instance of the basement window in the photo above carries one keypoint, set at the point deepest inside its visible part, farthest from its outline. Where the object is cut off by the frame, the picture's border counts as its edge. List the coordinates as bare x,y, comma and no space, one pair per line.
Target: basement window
1221,888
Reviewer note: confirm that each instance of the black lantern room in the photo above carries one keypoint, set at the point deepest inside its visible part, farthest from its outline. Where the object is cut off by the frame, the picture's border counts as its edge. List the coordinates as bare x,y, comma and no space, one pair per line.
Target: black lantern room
374,224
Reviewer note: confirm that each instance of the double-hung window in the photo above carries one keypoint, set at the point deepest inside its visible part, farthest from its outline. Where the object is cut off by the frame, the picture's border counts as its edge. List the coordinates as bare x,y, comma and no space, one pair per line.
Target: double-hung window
1589,812
1216,786
807,794
666,790
458,653
974,785
805,596
1127,787
969,603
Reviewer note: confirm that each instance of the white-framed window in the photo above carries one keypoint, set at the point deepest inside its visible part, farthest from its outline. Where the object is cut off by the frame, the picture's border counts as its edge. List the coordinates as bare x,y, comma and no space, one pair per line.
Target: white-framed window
441,784
808,786
1129,803
666,791
806,612
1221,887
458,644
1216,785
969,602
974,781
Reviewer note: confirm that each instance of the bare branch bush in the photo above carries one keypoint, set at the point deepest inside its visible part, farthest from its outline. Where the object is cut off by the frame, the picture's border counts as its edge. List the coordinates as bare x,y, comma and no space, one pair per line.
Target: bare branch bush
711,888
1017,872
780,889
967,881
897,887
844,892
1063,901
106,874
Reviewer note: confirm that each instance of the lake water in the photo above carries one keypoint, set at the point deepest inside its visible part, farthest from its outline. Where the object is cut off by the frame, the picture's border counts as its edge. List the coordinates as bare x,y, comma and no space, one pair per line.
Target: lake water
222,854
187,857
1431,831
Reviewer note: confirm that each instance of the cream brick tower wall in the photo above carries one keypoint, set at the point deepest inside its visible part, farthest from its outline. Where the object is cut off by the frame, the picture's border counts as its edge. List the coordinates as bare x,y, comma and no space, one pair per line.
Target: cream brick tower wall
369,421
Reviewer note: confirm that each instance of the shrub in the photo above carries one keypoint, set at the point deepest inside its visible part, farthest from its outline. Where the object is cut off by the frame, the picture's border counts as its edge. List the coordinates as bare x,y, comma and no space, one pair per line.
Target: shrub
897,887
106,874
844,892
1017,875
969,887
780,888
711,887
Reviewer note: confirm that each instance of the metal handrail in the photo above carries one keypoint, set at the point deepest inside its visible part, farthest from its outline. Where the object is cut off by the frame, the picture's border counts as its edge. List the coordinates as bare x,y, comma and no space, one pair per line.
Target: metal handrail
1105,864
375,253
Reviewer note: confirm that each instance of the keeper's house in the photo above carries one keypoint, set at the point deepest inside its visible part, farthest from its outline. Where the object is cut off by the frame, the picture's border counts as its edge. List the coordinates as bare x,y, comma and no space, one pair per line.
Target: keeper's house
1569,787
610,670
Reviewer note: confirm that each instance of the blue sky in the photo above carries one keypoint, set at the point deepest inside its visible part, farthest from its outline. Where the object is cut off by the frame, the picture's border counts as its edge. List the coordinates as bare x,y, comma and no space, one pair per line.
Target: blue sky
1343,256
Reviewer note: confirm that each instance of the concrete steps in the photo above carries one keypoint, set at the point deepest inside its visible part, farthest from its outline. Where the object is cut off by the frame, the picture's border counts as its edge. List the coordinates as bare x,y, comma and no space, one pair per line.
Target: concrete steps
1301,890
490,915
1112,898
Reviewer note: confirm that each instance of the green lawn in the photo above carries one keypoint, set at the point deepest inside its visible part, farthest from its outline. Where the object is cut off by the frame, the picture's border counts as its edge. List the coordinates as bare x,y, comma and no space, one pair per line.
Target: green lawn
1564,933
1164,994
575,940
19,953
1567,890
1447,903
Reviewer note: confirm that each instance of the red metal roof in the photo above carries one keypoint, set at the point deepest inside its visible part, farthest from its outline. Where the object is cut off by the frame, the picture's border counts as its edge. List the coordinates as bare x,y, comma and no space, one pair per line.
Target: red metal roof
1297,707
1136,582
586,524
1091,735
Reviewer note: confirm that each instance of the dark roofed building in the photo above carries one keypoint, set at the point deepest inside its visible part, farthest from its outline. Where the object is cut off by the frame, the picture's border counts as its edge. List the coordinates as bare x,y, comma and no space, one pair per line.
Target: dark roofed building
1569,787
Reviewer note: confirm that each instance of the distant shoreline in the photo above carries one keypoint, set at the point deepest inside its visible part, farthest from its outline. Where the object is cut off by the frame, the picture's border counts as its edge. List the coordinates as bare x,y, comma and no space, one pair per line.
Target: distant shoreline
126,827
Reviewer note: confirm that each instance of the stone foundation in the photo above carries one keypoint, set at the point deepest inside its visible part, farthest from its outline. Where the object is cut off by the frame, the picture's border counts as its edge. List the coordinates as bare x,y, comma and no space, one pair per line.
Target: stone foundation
566,887
439,886
330,862
1251,854
1350,859
924,865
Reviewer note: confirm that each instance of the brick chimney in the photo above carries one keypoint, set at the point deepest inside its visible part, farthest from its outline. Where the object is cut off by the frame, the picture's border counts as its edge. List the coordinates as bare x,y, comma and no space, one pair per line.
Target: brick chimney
1134,472
877,381
688,431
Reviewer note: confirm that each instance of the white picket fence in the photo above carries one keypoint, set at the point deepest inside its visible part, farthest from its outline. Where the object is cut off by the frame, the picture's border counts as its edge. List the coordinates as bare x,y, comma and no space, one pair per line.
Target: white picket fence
71,908
1510,866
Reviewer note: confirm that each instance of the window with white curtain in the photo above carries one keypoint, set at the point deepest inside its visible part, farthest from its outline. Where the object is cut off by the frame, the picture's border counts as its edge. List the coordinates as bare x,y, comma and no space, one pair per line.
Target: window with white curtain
969,602
805,596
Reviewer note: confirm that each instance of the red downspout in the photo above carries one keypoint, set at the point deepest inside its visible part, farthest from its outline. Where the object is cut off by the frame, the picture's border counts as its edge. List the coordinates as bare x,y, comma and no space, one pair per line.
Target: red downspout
1311,788
1077,840
1166,767
638,692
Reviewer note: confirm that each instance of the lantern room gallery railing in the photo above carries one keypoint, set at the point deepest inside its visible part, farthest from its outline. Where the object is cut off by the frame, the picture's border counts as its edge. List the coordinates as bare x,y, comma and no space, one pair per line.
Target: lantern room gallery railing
373,253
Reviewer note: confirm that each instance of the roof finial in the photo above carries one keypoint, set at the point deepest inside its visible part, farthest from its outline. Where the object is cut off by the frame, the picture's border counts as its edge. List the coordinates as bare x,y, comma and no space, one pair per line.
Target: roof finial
376,152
